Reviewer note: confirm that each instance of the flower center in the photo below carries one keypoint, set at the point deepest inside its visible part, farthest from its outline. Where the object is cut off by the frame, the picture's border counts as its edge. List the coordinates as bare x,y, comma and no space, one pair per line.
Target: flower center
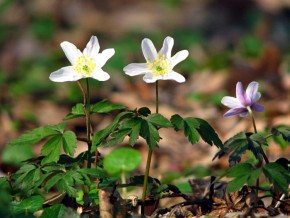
160,66
85,66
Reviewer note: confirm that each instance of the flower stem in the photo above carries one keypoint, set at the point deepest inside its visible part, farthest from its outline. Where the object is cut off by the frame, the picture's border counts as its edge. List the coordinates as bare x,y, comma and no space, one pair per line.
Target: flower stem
252,117
88,123
149,156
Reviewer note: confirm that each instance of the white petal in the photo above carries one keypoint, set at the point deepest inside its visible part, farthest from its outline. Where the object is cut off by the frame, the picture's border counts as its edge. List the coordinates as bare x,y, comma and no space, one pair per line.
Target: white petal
252,89
174,76
103,57
65,74
100,75
71,51
231,102
149,51
92,48
136,69
178,57
149,78
167,47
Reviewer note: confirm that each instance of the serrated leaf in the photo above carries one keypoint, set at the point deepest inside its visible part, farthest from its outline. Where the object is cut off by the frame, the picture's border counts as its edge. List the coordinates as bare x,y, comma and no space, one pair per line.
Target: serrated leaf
33,136
208,134
104,133
51,150
190,130
52,181
106,107
32,204
278,175
237,183
94,172
118,137
69,142
238,170
159,120
177,122
58,127
254,175
144,111
77,111
150,134
56,211
121,159
67,187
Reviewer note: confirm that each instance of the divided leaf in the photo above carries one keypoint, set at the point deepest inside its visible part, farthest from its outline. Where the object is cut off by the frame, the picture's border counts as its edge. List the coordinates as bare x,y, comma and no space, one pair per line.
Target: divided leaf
76,111
106,107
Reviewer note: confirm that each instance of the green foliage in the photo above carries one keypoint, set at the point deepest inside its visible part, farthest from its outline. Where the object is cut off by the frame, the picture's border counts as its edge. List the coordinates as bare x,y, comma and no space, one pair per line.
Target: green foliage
277,175
101,107
242,173
251,46
121,159
59,211
195,128
281,135
29,205
240,143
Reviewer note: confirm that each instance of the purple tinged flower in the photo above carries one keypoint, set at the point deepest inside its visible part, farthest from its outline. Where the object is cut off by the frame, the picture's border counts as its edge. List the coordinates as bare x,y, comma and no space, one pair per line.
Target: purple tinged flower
244,101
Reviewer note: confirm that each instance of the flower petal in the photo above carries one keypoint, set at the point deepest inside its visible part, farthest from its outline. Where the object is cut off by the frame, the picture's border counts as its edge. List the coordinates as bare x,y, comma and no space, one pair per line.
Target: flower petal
258,107
174,76
251,90
178,57
256,97
231,102
149,51
241,95
149,78
92,48
136,69
71,51
235,111
167,47
65,74
100,75
103,57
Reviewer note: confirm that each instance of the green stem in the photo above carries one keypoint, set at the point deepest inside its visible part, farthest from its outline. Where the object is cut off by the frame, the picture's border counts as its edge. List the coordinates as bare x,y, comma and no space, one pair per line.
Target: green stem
88,123
149,156
252,117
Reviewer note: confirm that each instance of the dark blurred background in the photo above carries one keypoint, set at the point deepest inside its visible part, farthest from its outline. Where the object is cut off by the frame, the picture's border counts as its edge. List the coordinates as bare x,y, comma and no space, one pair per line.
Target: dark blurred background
228,41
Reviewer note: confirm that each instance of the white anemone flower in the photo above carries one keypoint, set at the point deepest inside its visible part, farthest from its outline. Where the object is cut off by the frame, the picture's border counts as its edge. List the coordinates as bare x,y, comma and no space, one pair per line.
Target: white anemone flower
85,64
159,66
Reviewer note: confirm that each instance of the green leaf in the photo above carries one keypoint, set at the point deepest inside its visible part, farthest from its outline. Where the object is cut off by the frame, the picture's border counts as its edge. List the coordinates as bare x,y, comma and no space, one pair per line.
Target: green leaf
16,154
118,137
106,107
94,172
56,211
177,122
77,111
150,134
58,128
190,130
66,185
32,204
207,133
237,183
279,176
144,111
33,136
69,142
52,181
121,159
51,150
103,134
135,125
159,120
238,170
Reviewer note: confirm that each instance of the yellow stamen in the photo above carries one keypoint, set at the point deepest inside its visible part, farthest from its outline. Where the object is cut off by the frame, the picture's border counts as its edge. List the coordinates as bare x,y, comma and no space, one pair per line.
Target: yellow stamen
85,66
160,66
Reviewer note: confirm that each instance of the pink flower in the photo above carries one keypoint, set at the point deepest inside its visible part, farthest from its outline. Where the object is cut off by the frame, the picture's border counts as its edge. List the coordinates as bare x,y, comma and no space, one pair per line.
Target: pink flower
244,101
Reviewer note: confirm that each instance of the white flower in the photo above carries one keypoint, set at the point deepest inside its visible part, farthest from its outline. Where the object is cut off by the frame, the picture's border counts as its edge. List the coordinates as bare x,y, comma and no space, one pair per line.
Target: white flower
159,65
85,64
